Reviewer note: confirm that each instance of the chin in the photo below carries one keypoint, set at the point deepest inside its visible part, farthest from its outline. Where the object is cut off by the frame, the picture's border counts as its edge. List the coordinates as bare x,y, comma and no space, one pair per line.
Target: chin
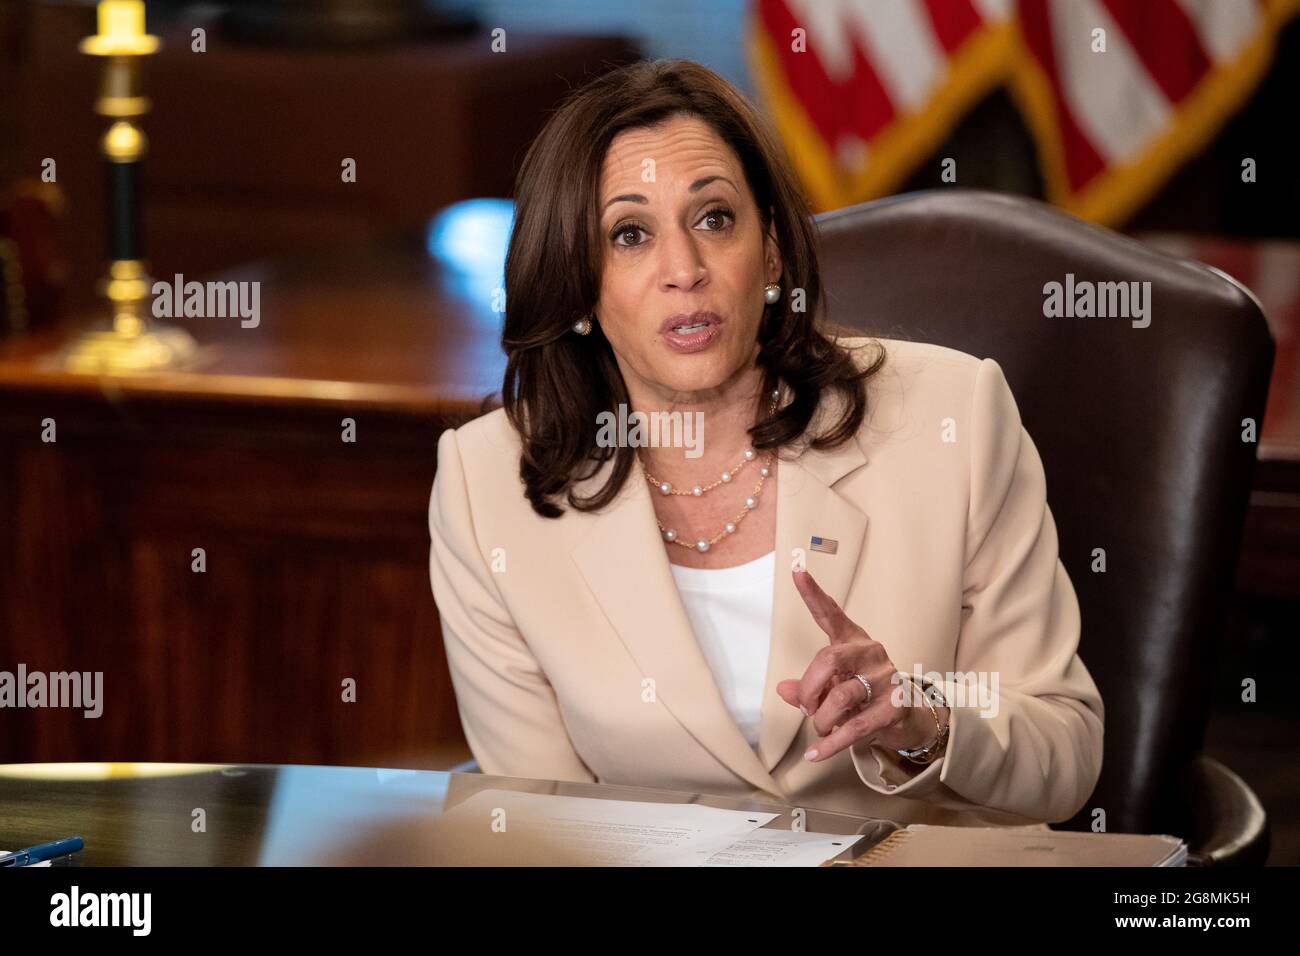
698,371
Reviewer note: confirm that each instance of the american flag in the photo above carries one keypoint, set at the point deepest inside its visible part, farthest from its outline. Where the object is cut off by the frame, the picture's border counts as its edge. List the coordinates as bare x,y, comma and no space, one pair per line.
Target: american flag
827,545
1117,93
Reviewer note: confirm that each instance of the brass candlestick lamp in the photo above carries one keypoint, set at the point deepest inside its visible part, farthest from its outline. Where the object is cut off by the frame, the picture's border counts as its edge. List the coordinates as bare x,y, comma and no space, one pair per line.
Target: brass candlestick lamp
130,342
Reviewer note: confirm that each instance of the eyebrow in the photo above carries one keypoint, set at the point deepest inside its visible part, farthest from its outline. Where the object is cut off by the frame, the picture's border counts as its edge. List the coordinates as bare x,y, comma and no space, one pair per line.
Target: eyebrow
695,187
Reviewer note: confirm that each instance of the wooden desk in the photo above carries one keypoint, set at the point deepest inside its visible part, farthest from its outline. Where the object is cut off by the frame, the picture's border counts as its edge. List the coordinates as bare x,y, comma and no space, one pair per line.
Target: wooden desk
317,550
140,815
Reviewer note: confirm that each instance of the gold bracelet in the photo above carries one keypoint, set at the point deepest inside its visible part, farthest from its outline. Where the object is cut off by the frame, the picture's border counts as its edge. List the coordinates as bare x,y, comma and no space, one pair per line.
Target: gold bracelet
929,753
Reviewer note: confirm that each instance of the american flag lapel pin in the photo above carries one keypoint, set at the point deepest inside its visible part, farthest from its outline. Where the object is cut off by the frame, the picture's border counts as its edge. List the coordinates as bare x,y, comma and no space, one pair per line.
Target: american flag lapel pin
825,545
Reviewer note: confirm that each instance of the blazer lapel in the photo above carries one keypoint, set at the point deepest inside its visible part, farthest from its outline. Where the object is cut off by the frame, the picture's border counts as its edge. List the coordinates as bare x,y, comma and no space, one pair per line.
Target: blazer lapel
624,562
807,505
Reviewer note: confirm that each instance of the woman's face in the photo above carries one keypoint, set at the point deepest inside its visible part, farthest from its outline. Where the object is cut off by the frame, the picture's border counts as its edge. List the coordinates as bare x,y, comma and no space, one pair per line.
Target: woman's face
685,259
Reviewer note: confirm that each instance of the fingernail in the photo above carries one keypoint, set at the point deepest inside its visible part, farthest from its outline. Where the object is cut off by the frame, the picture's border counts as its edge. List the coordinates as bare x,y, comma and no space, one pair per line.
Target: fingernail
810,754
806,711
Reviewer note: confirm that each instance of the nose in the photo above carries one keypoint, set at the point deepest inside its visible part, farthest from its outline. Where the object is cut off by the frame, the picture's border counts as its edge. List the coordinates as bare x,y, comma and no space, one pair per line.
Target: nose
681,265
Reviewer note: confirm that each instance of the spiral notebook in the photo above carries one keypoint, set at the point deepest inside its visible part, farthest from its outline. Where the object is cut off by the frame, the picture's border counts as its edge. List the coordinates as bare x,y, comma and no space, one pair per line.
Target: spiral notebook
923,844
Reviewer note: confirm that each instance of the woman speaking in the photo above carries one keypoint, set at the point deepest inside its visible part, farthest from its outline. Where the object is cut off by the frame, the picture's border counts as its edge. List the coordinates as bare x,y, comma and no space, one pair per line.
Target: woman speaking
805,566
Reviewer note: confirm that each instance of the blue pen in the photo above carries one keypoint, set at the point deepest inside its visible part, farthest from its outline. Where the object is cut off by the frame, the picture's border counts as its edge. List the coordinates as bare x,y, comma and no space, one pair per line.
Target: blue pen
43,852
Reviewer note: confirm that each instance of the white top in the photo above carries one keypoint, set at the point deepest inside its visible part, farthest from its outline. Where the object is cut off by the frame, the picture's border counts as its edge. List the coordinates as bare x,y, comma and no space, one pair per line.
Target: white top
730,610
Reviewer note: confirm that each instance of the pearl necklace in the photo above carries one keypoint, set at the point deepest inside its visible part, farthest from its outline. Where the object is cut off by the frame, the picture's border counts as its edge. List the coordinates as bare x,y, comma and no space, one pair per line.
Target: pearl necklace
665,488
703,544
699,490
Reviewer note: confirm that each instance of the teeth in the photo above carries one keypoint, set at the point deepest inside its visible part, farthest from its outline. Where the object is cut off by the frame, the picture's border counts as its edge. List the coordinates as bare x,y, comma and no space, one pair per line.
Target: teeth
690,328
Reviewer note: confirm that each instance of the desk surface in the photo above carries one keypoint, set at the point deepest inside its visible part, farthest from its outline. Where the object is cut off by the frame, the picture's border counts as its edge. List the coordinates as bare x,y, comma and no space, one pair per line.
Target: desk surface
404,325
144,814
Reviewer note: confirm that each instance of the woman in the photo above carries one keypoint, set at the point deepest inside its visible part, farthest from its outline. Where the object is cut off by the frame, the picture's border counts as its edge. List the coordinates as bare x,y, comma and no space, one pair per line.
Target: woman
838,587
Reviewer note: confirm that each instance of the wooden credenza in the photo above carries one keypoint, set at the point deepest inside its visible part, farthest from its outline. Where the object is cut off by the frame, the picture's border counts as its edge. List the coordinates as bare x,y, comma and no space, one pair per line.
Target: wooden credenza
316,549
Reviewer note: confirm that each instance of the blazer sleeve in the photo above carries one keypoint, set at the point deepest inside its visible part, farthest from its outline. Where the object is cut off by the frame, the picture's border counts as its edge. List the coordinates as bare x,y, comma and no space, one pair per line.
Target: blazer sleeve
1033,749
507,706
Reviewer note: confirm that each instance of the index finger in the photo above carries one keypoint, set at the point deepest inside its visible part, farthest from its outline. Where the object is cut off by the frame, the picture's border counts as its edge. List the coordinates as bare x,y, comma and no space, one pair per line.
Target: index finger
829,616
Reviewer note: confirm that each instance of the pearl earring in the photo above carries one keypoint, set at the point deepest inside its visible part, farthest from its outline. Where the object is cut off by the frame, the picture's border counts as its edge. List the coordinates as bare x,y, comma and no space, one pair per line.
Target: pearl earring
771,292
582,326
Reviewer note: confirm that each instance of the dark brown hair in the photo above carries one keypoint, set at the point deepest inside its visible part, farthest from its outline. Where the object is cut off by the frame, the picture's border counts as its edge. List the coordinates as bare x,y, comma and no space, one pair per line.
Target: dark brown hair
556,382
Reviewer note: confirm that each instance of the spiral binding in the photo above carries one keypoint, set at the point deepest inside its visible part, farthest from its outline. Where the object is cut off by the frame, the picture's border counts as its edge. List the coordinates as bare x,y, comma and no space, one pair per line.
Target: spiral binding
882,849
879,851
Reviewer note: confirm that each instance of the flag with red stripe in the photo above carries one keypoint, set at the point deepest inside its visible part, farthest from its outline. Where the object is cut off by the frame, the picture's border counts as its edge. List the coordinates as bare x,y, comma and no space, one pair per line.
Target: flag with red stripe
1117,93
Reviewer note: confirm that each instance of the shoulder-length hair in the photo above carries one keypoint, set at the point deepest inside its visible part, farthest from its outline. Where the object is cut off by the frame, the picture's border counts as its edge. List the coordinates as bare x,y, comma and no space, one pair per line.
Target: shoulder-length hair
557,383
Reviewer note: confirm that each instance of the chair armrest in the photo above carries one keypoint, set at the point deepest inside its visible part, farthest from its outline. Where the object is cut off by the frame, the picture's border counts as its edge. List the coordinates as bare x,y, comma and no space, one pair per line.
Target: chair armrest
1229,824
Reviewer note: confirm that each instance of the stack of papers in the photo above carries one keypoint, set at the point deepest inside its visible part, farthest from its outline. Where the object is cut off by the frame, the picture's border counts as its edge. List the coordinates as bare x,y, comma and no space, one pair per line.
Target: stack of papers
496,827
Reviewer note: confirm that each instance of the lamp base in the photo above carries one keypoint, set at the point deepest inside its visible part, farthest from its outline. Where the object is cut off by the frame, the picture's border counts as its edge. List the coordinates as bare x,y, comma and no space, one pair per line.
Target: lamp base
153,348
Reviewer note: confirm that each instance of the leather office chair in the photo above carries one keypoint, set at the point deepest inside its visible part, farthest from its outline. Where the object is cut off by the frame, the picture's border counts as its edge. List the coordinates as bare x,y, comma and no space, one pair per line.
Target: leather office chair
1140,432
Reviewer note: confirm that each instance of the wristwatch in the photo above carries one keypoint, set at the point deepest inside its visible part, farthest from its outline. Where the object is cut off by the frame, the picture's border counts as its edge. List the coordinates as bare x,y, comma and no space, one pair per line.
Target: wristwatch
924,755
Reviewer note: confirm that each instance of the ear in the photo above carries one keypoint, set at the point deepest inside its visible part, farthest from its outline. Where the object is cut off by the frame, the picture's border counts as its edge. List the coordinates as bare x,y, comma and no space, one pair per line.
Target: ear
772,251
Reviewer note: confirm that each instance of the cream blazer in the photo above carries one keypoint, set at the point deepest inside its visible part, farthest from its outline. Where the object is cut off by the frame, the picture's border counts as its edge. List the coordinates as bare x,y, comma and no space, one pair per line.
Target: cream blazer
572,656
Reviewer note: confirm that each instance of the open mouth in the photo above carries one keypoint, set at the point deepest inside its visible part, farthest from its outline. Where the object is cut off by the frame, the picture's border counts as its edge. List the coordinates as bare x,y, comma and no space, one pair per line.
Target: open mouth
691,332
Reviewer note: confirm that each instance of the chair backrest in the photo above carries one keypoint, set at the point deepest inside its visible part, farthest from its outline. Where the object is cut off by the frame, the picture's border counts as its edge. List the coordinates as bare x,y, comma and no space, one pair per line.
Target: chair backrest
1140,431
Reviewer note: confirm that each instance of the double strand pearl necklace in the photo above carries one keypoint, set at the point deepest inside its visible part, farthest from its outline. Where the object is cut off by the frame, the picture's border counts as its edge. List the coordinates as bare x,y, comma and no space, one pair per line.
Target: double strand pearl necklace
703,544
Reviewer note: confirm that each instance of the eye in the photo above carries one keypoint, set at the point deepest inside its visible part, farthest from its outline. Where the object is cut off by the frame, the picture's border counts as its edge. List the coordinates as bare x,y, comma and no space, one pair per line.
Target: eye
720,213
624,229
